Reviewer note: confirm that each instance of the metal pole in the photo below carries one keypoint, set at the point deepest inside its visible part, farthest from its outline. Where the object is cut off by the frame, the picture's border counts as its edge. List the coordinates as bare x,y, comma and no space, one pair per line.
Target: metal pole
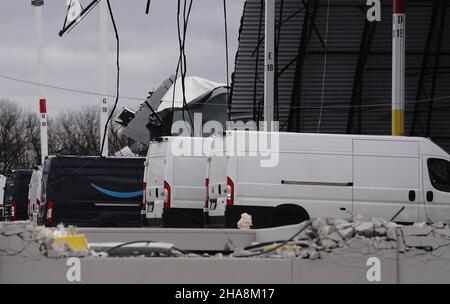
397,255
41,78
269,63
398,68
104,74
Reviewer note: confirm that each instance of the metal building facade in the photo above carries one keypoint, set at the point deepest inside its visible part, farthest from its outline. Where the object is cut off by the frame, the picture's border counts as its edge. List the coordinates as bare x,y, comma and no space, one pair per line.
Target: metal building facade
357,80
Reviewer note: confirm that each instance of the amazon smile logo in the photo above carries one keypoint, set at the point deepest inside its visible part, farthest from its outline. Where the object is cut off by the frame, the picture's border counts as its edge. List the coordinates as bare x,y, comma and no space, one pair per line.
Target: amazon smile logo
117,194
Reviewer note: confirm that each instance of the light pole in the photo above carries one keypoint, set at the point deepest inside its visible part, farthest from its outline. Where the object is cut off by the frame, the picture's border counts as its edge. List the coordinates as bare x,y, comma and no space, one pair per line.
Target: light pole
40,63
398,67
104,75
269,63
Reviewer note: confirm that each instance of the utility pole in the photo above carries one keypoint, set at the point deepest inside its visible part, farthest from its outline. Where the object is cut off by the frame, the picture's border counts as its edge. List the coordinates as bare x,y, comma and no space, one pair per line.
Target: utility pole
398,68
40,63
269,63
104,75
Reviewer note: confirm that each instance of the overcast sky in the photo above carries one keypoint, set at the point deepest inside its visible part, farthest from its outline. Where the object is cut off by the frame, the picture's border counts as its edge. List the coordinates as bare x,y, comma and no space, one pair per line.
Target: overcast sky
149,49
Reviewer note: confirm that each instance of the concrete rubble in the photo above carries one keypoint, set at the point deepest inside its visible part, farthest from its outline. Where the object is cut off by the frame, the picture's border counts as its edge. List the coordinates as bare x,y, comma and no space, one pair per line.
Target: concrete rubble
358,234
24,238
319,236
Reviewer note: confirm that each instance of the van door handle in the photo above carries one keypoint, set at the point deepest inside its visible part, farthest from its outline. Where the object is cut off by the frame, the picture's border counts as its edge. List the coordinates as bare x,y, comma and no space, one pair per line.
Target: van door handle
430,196
412,196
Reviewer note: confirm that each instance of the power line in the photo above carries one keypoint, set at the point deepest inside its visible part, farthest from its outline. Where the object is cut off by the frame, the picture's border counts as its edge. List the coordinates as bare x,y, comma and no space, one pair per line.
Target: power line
65,88
324,69
376,105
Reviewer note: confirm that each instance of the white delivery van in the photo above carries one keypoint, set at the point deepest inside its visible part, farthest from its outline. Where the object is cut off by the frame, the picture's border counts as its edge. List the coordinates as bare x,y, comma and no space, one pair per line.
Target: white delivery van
175,174
405,179
2,191
144,198
34,194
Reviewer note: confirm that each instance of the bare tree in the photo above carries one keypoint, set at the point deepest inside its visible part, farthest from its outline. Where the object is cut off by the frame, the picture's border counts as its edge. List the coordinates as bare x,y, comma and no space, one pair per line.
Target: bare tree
76,133
31,122
70,133
17,128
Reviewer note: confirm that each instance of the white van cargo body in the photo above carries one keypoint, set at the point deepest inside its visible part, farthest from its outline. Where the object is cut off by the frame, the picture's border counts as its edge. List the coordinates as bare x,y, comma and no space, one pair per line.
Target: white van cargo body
176,169
34,194
405,179
2,191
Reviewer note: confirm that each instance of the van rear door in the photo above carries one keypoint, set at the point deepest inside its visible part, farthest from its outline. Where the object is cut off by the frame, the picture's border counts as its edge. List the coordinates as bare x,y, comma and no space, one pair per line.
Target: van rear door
188,189
2,191
21,194
32,191
155,186
8,197
217,193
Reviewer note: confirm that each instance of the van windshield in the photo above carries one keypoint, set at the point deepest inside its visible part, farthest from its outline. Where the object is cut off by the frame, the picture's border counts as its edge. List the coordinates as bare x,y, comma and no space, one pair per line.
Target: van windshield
439,170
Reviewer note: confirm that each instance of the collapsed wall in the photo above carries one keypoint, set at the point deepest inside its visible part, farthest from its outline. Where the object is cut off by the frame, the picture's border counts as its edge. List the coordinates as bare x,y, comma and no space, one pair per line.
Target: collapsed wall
326,251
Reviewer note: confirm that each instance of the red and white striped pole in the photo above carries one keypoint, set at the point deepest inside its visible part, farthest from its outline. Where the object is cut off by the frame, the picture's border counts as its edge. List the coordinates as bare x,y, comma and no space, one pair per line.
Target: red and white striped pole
398,67
44,134
38,4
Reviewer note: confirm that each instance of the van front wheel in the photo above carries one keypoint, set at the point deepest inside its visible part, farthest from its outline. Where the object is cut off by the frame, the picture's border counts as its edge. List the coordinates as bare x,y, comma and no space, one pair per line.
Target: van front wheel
289,215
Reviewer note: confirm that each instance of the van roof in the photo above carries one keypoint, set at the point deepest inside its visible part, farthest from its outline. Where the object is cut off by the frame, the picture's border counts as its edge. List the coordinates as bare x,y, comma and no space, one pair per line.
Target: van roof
90,157
21,173
171,138
346,136
426,145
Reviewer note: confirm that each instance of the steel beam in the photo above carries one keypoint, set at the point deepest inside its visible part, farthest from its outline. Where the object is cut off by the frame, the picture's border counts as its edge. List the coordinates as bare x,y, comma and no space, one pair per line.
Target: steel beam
431,55
364,50
311,8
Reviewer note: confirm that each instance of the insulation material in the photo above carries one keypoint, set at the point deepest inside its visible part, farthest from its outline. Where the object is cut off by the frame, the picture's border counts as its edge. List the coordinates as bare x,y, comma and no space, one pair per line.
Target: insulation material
194,88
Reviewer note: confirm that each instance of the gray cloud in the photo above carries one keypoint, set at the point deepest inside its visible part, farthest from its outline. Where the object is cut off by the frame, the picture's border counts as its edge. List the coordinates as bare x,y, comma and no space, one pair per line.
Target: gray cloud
149,49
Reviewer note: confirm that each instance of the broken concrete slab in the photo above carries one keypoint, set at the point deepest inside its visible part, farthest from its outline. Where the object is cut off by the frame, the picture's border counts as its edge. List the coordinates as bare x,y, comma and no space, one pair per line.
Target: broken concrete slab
442,232
416,230
365,228
427,243
421,224
379,223
344,226
358,243
319,222
346,233
328,244
439,225
383,245
314,255
335,237
391,234
326,230
380,231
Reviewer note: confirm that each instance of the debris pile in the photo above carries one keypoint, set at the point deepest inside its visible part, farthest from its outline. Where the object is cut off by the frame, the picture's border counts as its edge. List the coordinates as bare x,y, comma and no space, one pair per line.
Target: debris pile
313,239
24,238
358,234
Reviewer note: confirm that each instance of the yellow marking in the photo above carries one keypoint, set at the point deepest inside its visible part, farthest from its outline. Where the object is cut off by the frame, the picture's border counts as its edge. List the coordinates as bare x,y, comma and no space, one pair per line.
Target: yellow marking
74,242
398,122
